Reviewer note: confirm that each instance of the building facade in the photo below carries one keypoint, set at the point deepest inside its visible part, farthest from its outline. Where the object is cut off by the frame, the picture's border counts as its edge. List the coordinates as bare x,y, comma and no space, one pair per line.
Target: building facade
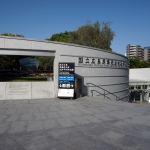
138,51
104,73
134,50
147,53
139,83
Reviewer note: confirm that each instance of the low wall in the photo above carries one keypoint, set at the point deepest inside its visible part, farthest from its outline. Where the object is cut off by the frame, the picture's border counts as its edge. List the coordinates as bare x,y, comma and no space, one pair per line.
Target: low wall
26,90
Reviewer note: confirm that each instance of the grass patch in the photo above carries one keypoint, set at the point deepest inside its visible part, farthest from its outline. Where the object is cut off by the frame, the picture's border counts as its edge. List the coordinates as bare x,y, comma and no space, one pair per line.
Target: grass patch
24,79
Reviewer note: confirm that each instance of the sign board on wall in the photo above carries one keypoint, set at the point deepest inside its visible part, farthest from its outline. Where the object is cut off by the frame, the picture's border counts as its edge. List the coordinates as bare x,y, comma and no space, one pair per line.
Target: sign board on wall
66,79
102,62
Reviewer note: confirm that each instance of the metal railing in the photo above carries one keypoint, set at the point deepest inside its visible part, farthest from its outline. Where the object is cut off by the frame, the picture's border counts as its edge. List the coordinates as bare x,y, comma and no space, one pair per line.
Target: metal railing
105,92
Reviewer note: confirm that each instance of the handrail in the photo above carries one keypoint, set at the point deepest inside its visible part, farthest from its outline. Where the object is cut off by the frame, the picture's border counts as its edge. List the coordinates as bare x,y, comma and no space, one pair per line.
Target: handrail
99,93
125,96
117,98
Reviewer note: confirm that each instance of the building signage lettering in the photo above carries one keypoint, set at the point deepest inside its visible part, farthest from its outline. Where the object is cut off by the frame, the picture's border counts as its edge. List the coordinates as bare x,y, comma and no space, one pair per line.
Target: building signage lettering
102,62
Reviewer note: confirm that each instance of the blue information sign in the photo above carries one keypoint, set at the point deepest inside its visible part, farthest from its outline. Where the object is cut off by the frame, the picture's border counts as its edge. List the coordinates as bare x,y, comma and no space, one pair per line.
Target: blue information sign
66,78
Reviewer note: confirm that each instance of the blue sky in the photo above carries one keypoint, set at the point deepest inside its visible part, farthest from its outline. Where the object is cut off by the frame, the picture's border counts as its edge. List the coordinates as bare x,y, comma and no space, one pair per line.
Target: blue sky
39,19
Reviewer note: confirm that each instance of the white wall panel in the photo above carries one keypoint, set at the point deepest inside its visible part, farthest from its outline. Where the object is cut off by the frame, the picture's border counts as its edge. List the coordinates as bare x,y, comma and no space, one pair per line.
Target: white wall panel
140,74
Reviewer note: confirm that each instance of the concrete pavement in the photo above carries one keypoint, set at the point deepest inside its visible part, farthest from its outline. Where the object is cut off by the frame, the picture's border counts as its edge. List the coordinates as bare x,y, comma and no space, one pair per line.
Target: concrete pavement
82,124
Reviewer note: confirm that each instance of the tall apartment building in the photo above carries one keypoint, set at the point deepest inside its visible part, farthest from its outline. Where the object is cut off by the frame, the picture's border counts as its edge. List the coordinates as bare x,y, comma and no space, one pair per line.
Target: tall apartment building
147,53
134,50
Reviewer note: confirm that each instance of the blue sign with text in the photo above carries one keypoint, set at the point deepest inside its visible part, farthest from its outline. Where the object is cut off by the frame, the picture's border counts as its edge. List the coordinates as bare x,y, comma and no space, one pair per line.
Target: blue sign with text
66,78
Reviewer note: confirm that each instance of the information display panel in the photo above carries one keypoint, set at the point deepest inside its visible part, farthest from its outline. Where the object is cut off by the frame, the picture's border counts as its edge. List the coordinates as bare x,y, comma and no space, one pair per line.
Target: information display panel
66,79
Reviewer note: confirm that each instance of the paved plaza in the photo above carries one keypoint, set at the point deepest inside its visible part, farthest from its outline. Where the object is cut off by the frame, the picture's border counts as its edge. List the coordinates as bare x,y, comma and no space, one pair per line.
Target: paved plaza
83,124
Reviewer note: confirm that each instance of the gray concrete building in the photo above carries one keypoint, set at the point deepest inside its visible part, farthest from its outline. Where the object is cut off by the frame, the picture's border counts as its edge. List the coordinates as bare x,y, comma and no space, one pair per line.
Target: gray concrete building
138,51
147,53
134,50
103,73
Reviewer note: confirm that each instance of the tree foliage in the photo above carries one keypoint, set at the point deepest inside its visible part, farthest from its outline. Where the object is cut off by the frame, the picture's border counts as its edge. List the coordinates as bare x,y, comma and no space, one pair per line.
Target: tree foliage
45,62
136,62
97,35
94,35
8,34
60,37
12,62
9,62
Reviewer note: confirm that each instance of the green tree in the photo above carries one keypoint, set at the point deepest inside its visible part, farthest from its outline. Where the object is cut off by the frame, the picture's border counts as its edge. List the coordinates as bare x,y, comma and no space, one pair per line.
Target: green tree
45,62
7,34
9,62
12,62
97,35
60,37
136,62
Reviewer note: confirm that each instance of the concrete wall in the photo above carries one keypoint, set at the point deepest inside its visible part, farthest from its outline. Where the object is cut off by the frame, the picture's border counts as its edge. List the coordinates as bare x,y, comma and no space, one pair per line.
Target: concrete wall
26,90
22,46
140,74
113,78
